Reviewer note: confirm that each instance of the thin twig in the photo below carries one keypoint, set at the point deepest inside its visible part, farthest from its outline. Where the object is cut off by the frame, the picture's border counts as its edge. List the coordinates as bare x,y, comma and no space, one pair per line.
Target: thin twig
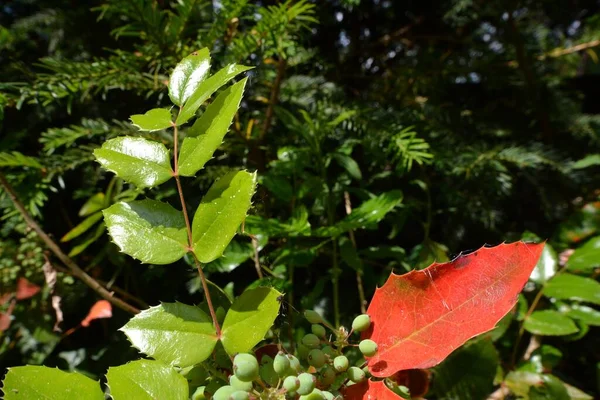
274,98
65,259
359,282
256,258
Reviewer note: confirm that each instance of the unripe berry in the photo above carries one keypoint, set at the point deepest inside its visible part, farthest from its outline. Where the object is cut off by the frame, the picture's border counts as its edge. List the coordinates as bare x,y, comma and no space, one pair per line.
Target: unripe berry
318,330
356,374
291,383
328,395
295,366
316,394
313,317
281,364
239,395
245,367
223,393
311,341
368,347
307,383
340,363
329,351
327,376
316,358
361,323
237,384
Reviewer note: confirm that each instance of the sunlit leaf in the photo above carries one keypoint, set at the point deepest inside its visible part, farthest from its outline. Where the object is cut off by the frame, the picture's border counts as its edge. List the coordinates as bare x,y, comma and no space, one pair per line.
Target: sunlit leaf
188,75
93,204
82,227
585,314
587,257
568,286
550,323
153,120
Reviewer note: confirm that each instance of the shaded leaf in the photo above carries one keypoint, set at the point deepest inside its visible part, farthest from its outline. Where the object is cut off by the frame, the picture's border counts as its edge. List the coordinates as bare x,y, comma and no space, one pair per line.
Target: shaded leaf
573,287
188,75
91,239
93,204
412,311
143,162
153,120
148,230
173,333
586,257
82,227
349,165
33,382
220,213
550,323
146,380
249,318
587,161
207,133
585,314
26,289
101,309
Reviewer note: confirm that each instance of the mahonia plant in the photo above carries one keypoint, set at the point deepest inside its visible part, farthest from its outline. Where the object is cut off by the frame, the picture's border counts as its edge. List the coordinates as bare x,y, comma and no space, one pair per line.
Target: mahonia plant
208,351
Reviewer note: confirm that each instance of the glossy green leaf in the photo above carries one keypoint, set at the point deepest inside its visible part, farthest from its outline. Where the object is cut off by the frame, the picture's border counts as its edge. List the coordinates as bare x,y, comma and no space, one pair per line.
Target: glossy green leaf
585,314
100,229
544,358
143,162
220,214
573,287
349,165
587,257
154,120
546,266
93,204
235,254
535,386
550,323
188,75
370,212
174,333
207,133
206,89
35,382
82,227
146,380
148,230
249,318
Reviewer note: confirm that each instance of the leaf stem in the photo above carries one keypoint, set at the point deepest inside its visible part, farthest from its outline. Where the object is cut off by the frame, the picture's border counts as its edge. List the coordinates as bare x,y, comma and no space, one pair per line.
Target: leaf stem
66,260
359,282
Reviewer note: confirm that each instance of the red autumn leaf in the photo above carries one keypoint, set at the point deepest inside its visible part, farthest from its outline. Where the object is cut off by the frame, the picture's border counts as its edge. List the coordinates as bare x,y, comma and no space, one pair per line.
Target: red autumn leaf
416,380
102,309
5,317
419,318
4,298
370,390
26,289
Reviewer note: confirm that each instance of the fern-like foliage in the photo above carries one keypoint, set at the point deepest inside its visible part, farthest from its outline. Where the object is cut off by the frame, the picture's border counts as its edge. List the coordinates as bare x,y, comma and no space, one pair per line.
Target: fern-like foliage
407,149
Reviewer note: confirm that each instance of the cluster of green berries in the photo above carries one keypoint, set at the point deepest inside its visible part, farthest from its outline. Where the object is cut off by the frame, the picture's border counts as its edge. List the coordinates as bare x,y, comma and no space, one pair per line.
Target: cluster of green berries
26,259
318,371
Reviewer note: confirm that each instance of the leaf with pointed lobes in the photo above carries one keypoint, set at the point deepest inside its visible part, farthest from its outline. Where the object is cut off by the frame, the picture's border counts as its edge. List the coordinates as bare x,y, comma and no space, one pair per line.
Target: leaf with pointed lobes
370,390
102,309
26,289
419,318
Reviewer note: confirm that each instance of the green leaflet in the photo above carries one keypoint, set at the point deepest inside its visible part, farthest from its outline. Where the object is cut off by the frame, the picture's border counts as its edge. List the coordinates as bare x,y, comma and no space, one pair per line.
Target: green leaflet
143,162
188,75
220,213
154,120
82,227
550,323
146,380
585,258
568,286
209,130
151,231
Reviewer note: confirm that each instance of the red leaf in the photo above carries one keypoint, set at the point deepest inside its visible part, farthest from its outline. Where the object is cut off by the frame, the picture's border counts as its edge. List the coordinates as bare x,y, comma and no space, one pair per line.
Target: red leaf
26,289
370,390
5,317
416,380
102,309
4,298
419,318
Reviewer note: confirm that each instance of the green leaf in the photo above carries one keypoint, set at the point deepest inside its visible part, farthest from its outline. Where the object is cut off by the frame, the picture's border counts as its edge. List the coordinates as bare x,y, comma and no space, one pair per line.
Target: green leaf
206,89
146,380
370,212
91,239
93,204
249,318
577,394
154,120
235,254
151,231
531,385
585,314
82,227
34,382
209,130
587,161
587,257
550,323
188,75
143,162
220,213
349,254
174,333
349,165
546,266
568,286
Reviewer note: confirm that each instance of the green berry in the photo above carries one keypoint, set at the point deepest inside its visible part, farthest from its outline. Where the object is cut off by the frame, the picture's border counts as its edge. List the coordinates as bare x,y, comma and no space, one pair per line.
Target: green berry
307,383
316,358
223,393
356,374
316,394
361,323
328,395
281,364
199,393
327,376
239,395
329,351
340,363
303,351
295,366
368,347
311,341
313,317
245,367
237,384
318,330
291,383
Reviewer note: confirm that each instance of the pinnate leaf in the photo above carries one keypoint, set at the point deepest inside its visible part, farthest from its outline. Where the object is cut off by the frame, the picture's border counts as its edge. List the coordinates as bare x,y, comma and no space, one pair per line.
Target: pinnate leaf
35,382
101,309
143,162
249,318
146,380
220,213
154,120
173,333
454,301
188,75
550,323
573,287
207,133
148,230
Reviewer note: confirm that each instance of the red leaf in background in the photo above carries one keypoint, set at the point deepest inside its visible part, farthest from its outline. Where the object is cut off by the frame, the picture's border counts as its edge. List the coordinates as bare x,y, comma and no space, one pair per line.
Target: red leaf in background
370,390
419,318
5,317
5,298
102,309
26,289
